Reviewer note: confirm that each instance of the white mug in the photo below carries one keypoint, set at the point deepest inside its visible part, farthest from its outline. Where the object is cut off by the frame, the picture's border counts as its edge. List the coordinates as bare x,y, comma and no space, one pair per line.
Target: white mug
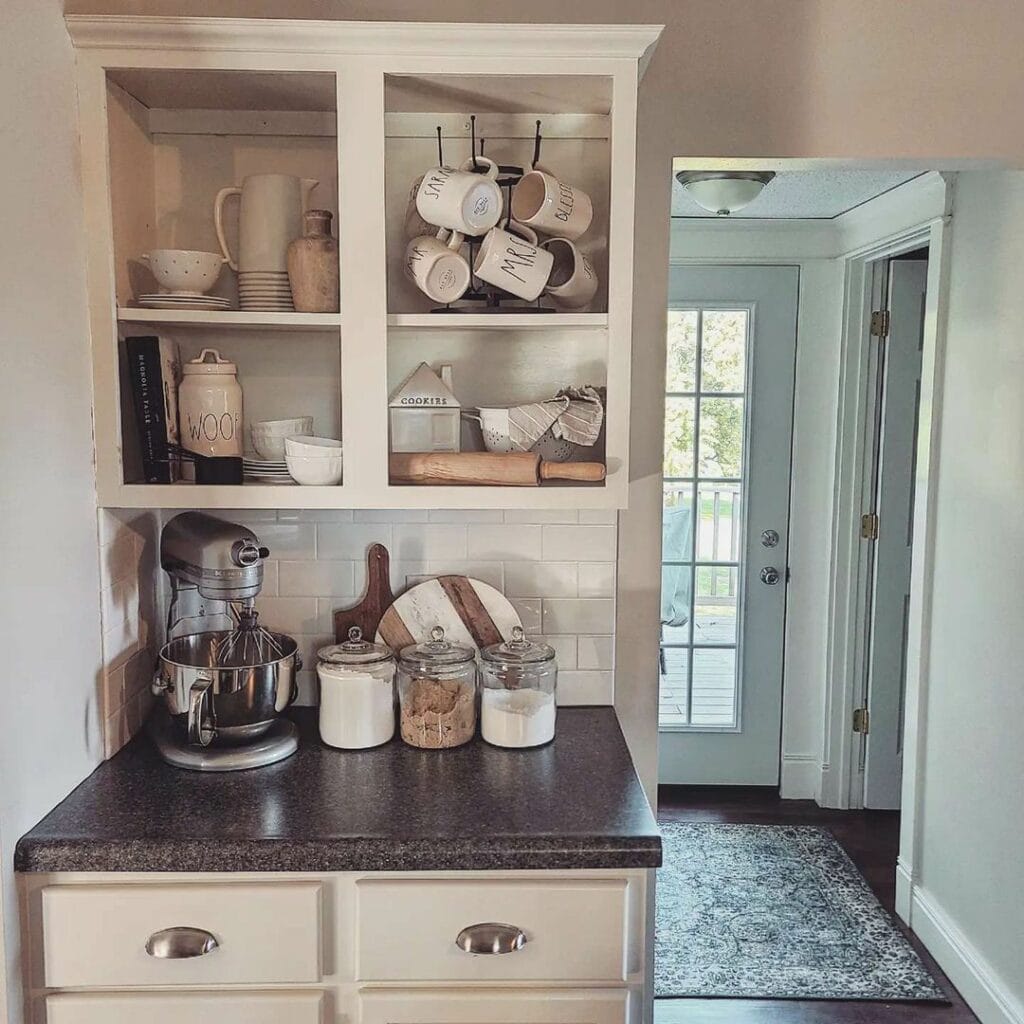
515,264
460,200
573,280
436,267
415,225
551,206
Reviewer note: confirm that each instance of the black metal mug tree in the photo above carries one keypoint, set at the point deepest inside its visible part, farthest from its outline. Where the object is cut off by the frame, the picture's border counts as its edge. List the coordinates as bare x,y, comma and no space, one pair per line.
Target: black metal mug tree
480,292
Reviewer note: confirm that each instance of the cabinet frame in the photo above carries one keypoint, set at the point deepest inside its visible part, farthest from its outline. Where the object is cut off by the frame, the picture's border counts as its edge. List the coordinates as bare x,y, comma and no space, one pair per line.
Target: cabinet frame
359,55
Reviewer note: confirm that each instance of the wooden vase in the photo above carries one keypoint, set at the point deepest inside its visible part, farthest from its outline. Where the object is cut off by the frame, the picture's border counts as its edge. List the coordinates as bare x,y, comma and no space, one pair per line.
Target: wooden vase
313,266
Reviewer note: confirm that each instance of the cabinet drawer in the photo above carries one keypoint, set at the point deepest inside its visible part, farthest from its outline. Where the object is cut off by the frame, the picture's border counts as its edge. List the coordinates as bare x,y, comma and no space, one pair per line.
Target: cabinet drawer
197,1008
575,930
97,935
496,1006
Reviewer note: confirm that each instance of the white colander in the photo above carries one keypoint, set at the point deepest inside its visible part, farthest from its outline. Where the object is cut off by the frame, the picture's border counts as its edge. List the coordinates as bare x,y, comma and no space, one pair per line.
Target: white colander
495,428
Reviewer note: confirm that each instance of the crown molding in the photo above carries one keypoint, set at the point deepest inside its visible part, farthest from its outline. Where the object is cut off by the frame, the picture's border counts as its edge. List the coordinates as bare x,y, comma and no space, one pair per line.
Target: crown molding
273,35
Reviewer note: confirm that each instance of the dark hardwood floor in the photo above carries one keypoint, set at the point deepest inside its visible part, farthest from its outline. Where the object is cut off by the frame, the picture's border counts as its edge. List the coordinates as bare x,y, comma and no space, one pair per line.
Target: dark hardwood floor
871,838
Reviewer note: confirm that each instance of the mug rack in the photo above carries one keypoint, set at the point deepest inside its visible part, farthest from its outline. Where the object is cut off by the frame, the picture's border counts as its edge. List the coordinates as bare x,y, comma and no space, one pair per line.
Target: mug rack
488,298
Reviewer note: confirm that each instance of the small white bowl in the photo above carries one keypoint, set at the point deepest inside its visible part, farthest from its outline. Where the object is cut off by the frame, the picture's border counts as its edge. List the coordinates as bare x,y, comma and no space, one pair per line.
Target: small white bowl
268,435
312,447
316,470
184,271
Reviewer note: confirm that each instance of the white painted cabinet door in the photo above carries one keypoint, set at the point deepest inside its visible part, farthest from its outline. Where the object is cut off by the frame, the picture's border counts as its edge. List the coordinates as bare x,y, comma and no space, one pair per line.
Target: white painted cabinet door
190,1008
495,1006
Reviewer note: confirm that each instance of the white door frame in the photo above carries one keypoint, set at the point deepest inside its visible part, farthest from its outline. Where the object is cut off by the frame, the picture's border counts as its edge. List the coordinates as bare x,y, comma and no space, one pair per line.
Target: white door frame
842,783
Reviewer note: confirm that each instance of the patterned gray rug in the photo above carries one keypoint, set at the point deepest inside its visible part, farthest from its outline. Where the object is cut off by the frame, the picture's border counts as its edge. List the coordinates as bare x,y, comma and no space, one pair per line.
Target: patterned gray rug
775,912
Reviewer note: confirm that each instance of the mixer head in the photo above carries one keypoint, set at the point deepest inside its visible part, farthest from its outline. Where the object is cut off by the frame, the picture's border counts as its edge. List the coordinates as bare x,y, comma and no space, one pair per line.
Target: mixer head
223,560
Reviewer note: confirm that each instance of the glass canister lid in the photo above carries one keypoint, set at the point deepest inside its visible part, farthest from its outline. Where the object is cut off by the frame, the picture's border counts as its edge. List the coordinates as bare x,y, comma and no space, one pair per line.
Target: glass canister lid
354,651
437,651
518,651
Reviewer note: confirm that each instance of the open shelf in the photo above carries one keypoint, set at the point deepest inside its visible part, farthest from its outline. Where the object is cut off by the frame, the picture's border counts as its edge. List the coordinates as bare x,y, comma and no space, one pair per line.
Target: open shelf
230,319
498,321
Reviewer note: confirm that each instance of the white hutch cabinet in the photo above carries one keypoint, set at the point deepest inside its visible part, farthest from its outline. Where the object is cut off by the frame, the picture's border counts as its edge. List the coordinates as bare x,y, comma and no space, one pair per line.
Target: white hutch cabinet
174,109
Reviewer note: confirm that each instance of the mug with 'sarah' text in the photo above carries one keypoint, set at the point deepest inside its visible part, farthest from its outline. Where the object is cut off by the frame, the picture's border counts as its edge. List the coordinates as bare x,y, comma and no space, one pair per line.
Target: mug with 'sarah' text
550,206
516,264
460,199
435,265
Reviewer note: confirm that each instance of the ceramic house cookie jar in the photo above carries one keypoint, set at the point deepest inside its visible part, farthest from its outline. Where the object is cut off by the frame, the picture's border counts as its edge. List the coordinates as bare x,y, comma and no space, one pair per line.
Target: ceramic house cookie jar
425,414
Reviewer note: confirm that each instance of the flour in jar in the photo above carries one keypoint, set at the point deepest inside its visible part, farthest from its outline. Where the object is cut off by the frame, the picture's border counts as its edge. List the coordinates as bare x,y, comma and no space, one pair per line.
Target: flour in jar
517,718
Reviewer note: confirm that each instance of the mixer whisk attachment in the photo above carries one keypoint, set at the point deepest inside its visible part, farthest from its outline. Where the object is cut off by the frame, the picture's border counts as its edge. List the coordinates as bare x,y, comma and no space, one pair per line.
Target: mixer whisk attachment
248,643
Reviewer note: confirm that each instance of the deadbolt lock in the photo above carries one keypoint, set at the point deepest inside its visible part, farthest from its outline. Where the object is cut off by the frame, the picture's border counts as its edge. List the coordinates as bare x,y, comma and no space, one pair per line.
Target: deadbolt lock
770,538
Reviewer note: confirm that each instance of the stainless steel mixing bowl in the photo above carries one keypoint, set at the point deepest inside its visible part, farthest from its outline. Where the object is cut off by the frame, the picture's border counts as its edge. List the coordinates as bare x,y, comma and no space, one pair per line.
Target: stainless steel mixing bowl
212,703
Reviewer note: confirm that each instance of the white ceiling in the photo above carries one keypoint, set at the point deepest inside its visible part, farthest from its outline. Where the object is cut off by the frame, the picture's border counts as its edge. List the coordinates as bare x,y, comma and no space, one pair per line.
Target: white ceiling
803,195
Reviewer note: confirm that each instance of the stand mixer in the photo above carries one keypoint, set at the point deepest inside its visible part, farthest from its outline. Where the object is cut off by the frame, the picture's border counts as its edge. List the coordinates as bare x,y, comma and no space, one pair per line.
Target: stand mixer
224,689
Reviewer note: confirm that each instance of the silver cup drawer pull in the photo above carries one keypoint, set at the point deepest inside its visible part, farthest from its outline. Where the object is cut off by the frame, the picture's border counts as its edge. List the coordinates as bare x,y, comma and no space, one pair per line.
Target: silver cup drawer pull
490,937
181,943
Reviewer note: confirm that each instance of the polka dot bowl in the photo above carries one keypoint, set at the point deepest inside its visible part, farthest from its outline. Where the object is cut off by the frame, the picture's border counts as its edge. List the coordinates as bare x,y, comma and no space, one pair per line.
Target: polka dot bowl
184,271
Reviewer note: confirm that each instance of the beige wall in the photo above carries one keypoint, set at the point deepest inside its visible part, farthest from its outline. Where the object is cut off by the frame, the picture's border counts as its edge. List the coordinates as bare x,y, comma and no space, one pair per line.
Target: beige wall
969,882
49,569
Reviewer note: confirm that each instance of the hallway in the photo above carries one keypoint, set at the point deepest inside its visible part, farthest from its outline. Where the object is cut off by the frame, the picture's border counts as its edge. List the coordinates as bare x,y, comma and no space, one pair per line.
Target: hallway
871,839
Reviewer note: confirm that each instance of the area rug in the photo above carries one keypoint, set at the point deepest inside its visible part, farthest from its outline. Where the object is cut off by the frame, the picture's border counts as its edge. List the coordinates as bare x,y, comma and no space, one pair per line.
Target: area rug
775,912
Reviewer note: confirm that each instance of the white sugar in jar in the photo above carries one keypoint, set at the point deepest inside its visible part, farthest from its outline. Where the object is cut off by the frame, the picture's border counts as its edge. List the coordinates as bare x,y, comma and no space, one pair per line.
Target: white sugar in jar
357,693
517,693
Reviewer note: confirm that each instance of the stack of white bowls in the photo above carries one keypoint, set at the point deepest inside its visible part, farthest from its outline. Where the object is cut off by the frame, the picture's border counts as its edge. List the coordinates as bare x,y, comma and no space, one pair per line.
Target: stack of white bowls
268,435
314,461
265,291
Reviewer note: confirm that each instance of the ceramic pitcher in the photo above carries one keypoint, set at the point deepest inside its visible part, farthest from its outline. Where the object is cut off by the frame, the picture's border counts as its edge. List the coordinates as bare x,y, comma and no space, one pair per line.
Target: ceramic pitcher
270,216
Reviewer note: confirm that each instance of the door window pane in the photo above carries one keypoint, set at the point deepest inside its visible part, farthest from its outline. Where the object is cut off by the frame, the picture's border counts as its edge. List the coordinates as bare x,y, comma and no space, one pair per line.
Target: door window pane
714,616
714,687
677,522
673,696
721,437
718,522
681,367
676,601
724,350
679,436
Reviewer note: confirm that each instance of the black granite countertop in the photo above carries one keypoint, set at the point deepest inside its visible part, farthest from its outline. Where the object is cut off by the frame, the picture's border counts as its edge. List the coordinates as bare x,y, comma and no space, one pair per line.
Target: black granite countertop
576,803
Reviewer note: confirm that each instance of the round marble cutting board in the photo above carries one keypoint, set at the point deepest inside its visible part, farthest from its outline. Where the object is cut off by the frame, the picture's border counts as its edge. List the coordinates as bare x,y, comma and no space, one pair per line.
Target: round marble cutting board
470,611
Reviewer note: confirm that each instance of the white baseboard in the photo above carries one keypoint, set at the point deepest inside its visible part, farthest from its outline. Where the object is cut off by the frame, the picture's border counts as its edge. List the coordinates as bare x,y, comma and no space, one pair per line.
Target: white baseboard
983,990
800,777
904,891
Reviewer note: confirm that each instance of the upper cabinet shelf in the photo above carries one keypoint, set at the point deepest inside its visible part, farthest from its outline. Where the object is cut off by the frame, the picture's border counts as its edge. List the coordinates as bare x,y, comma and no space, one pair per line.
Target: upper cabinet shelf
175,110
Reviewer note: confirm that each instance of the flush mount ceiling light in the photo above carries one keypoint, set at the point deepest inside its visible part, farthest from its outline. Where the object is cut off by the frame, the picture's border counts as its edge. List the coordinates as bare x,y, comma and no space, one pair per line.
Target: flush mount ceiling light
724,192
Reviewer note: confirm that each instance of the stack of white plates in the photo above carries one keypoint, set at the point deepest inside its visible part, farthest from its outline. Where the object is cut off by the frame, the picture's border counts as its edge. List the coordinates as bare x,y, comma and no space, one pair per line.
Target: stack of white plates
175,300
265,471
265,290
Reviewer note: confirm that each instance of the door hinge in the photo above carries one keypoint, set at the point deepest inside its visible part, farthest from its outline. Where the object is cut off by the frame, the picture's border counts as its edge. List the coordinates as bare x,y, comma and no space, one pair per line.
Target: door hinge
880,323
869,526
862,721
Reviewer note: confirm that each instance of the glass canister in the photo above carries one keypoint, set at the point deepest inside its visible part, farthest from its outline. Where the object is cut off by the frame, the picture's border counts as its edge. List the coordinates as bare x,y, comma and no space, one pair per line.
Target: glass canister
437,693
357,693
518,679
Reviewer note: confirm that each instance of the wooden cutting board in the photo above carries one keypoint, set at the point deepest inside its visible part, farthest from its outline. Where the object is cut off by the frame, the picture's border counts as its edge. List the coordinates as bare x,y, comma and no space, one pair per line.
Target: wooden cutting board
470,611
376,601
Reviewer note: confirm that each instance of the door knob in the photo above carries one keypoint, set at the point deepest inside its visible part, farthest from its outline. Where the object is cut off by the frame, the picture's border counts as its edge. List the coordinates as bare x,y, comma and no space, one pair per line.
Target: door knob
770,575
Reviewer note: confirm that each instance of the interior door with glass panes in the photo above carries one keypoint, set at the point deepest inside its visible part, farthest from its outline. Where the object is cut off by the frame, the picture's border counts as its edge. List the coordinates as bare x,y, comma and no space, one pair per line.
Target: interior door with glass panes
728,433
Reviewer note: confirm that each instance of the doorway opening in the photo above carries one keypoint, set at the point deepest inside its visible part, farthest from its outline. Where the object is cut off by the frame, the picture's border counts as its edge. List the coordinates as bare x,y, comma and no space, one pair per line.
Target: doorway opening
800,338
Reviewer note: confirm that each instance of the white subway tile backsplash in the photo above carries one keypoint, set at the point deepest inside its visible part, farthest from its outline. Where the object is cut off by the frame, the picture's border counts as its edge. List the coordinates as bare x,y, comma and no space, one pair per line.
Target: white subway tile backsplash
392,515
309,688
315,579
577,688
350,540
464,515
540,579
505,543
598,517
579,615
316,515
529,612
325,609
270,578
428,542
286,540
596,579
579,543
564,648
119,602
595,652
119,560
541,515
289,614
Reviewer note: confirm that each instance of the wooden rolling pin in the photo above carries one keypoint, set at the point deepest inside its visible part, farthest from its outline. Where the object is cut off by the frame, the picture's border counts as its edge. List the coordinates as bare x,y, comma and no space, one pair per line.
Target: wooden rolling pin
514,469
